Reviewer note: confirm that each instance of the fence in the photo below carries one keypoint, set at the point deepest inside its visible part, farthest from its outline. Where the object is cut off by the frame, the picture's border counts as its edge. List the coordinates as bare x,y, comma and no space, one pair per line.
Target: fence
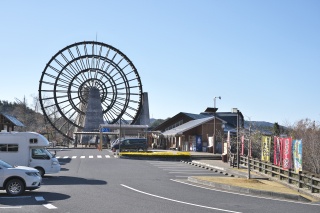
301,180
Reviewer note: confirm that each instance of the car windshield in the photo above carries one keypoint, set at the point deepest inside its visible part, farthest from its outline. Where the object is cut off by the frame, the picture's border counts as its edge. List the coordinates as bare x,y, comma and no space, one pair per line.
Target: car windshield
5,164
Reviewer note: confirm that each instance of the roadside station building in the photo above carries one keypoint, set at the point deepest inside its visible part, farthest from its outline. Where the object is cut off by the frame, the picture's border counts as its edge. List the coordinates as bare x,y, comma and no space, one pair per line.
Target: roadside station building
195,132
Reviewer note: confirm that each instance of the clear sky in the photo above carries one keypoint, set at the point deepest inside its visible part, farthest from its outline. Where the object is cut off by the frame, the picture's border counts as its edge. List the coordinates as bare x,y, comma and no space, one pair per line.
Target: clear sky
262,57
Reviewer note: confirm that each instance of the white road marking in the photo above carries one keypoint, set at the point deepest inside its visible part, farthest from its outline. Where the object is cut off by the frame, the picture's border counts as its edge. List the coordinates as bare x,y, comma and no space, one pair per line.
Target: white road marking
11,207
247,195
39,198
178,201
49,206
90,156
18,197
198,173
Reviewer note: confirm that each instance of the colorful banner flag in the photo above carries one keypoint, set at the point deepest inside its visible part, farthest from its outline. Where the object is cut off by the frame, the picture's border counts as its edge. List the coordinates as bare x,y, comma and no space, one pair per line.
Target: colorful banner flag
297,155
228,142
265,148
286,153
277,151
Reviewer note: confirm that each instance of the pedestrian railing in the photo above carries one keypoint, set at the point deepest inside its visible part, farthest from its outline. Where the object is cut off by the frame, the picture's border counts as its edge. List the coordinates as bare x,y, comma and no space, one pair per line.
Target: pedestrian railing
301,180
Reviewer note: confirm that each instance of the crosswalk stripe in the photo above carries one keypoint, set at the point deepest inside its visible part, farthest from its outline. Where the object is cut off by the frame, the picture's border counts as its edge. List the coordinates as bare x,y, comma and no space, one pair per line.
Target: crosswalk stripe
83,156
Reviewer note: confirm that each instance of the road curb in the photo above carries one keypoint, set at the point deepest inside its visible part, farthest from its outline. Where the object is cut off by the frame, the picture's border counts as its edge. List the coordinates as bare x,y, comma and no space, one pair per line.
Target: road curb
209,167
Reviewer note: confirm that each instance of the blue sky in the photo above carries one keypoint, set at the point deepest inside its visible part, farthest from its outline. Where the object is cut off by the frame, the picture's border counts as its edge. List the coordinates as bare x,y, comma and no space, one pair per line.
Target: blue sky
262,57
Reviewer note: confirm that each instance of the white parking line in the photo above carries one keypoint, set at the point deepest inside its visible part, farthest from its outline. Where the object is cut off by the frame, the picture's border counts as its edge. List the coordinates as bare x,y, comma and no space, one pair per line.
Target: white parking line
39,198
73,157
11,207
246,195
178,201
107,156
99,156
83,157
49,206
90,156
66,157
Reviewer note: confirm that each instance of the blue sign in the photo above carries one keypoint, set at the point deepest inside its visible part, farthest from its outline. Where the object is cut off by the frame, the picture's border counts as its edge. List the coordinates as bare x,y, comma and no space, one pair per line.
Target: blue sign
105,130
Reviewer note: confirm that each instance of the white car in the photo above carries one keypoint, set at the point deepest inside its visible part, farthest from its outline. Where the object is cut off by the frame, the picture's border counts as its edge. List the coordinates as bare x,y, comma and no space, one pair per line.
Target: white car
16,179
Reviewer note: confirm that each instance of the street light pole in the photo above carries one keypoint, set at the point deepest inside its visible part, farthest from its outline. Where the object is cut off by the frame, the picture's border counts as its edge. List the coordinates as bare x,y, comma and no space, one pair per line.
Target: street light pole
249,148
214,125
120,136
238,154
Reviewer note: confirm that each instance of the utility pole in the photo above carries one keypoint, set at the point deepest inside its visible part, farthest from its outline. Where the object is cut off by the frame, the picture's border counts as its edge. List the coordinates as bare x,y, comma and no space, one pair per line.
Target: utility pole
249,148
238,154
214,125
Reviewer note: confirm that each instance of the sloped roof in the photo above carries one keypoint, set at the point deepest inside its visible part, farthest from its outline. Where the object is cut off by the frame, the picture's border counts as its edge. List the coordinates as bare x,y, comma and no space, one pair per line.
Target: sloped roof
12,119
196,116
179,130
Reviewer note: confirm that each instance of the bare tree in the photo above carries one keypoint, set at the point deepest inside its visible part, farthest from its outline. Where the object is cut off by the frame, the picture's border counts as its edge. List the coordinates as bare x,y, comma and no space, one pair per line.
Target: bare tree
309,132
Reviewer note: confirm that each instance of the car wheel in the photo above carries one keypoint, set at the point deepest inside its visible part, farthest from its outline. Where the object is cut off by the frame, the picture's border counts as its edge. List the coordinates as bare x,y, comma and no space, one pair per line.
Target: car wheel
15,187
41,171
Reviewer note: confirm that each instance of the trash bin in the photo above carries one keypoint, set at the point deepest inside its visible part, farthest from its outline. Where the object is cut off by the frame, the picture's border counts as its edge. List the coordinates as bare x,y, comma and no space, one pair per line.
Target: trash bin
224,158
210,149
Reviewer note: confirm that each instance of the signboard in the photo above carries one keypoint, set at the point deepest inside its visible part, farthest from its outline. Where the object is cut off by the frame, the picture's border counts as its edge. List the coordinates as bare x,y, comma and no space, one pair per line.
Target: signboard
265,148
198,143
104,129
297,155
286,153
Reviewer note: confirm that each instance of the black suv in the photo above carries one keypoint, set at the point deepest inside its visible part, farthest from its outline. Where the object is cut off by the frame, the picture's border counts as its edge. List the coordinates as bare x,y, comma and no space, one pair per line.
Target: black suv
138,144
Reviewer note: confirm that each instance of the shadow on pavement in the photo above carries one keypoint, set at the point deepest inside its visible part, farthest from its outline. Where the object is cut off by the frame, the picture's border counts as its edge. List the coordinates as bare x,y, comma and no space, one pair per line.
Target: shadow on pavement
67,180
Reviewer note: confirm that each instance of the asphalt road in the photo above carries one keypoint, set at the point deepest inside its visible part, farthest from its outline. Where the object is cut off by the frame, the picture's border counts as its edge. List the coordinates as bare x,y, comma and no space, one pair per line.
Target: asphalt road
96,181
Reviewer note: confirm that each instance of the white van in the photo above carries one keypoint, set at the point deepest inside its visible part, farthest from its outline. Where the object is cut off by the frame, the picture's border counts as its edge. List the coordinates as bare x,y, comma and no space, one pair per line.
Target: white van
28,149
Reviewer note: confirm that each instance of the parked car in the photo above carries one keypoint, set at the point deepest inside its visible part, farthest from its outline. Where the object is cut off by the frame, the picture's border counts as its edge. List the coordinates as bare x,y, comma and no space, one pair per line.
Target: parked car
137,144
16,179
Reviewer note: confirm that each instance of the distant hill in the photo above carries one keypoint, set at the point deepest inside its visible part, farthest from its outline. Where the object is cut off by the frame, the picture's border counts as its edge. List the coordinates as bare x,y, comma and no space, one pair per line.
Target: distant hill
258,124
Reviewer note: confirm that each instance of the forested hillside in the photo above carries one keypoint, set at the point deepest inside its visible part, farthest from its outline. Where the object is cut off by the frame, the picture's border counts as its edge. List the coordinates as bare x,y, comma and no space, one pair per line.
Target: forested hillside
33,121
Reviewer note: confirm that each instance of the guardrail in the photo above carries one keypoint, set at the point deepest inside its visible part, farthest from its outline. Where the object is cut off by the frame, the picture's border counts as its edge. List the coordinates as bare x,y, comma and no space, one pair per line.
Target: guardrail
301,180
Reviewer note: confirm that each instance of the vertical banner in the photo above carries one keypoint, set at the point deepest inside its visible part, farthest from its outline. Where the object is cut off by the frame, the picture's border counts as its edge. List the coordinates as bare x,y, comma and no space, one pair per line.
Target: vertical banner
198,143
228,143
277,151
297,155
265,148
228,139
242,145
286,153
